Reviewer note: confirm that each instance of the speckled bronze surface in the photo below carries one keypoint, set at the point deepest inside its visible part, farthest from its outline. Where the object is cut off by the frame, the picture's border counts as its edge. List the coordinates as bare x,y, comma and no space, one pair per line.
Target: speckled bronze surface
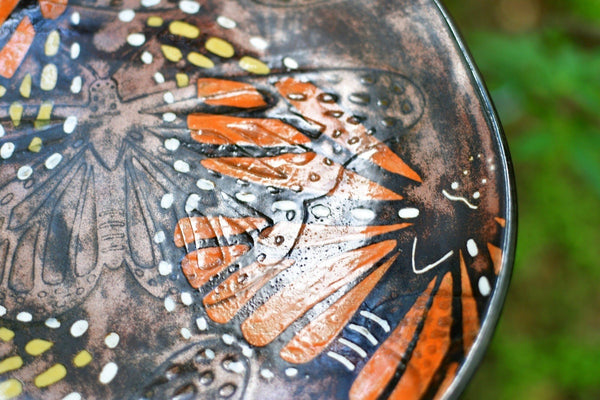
245,199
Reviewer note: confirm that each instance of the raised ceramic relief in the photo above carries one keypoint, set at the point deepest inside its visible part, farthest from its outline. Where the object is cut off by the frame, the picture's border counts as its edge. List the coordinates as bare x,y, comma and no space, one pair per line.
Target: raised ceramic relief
211,200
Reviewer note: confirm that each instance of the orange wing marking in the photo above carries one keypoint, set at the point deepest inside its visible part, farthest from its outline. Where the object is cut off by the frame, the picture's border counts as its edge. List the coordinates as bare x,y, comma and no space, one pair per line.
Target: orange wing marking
496,255
201,265
470,319
221,92
6,7
52,9
190,230
14,51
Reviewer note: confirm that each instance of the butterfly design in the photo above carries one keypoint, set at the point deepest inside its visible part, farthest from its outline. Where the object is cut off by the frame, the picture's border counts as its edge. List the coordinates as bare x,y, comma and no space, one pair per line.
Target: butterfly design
285,197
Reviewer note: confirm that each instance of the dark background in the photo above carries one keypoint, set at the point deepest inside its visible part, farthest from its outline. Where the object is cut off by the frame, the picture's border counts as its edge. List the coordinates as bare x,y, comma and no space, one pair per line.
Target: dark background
541,62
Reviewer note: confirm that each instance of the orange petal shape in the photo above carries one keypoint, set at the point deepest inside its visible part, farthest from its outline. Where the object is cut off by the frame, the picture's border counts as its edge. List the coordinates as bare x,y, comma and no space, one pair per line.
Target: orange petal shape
496,255
318,107
373,379
470,318
291,302
6,7
222,129
191,229
52,9
230,296
320,332
500,221
221,92
306,171
201,265
17,47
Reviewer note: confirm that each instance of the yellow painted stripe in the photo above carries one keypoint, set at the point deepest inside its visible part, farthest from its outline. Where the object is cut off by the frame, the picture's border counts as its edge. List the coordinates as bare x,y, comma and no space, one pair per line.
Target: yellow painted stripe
6,334
16,113
2,90
50,376
25,88
171,53
155,21
254,66
184,29
49,77
82,359
36,347
44,115
10,389
10,364
182,79
220,47
52,44
200,60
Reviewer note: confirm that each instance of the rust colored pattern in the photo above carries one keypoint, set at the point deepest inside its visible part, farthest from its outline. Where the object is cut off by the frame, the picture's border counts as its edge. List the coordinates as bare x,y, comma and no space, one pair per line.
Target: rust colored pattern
53,9
191,229
496,255
201,265
222,92
13,52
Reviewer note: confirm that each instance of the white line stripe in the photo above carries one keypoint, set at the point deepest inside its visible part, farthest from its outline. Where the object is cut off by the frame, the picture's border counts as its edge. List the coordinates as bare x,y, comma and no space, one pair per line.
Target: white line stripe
365,332
375,318
341,359
456,198
353,346
430,266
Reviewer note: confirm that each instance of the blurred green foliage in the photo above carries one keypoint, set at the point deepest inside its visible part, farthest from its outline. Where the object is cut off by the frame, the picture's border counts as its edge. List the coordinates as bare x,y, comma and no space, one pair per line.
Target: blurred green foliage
541,62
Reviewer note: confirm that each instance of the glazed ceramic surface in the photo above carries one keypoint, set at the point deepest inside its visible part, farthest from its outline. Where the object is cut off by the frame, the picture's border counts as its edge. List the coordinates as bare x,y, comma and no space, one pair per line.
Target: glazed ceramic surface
245,199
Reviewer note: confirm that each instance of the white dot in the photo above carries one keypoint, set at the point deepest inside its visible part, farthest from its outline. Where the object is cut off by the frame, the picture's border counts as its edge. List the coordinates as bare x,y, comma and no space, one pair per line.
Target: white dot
228,339
165,268
465,172
186,299
24,172
169,98
108,373
7,150
70,124
159,237
209,354
181,166
201,323
147,58
52,323
189,6
79,328
24,316
476,195
72,396
205,184
136,39
363,214
167,200
112,340
226,22
150,3
290,63
320,211
185,333
284,205
192,203
454,185
484,286
53,161
75,50
291,372
236,367
267,374
169,117
472,248
259,43
484,181
2,131
76,85
172,144
492,167
169,304
245,197
159,78
246,350
2,311
408,213
127,15
75,18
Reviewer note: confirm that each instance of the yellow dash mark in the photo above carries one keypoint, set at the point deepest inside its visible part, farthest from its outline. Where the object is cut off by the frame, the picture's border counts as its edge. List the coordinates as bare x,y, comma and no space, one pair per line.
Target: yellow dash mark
50,376
44,114
82,359
49,77
10,389
6,335
2,90
154,21
171,53
254,66
184,29
220,47
10,364
25,88
16,112
200,60
35,145
36,347
182,79
52,44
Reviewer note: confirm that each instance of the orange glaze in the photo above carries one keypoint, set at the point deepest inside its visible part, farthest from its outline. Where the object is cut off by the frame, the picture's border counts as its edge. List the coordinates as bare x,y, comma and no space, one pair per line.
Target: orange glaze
201,265
221,92
470,318
221,129
306,171
6,7
230,296
380,369
321,331
188,230
448,379
53,9
17,47
292,301
336,125
496,255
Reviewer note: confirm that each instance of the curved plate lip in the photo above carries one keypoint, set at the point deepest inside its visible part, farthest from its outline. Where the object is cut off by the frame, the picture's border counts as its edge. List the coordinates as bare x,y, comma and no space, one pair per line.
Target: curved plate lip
475,356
